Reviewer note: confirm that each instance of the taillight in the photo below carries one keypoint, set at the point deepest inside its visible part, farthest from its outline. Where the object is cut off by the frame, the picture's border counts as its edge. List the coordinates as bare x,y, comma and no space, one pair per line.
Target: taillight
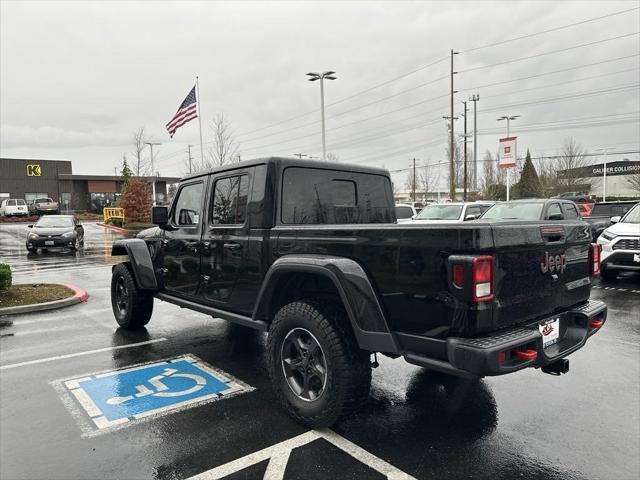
482,276
458,275
595,251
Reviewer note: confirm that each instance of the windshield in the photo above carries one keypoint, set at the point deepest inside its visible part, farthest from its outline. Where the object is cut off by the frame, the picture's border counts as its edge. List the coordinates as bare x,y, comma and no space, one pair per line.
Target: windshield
633,216
514,211
440,212
54,222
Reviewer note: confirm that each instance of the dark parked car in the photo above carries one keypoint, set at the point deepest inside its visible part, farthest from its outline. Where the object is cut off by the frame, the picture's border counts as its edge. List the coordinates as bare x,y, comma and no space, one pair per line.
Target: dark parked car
545,209
574,197
310,252
55,231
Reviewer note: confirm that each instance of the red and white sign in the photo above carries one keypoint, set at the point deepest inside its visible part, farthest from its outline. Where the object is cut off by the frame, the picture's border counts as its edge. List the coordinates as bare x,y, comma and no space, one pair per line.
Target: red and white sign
508,152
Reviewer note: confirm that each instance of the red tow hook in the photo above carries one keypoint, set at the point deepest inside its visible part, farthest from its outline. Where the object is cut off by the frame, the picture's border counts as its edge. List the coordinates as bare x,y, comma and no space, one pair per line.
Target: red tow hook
526,354
595,323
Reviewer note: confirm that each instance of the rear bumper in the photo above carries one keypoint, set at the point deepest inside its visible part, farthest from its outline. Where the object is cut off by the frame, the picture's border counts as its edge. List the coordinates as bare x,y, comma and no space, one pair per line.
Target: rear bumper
511,350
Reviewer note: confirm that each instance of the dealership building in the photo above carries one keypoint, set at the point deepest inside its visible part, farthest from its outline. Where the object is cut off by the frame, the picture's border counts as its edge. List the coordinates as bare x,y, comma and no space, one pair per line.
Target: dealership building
618,184
33,178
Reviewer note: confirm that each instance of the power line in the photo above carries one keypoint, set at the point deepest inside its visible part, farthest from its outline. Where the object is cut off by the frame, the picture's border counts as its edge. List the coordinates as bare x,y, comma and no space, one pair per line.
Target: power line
555,29
473,69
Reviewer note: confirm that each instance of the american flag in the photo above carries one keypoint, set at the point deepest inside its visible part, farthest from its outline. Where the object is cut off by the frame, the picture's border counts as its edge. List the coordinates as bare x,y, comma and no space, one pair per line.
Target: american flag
188,110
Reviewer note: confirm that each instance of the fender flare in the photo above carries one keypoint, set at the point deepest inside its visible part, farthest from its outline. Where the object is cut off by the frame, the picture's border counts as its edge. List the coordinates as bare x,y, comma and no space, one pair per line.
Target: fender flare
359,298
140,259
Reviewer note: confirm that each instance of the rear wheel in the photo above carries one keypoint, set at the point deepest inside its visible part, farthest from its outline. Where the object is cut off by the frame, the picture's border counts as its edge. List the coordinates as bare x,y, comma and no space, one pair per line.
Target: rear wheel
315,365
131,306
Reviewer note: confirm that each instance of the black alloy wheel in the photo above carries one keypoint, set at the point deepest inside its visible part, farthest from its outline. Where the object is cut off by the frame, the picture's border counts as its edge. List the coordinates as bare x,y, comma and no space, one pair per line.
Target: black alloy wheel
304,365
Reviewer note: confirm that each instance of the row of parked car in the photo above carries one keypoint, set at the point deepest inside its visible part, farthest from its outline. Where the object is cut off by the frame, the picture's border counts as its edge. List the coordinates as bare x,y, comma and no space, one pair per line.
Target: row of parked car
17,207
614,225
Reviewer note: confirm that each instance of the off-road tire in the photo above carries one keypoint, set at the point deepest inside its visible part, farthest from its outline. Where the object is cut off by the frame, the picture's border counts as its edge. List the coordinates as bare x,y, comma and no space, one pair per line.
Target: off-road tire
138,304
348,368
608,274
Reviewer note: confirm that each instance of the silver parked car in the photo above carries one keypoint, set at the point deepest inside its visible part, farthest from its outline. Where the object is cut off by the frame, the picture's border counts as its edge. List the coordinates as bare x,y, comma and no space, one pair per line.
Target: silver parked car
453,212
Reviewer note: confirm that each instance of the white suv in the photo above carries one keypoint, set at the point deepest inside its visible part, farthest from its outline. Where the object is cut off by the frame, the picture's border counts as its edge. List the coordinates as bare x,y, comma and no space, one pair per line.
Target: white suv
13,206
621,244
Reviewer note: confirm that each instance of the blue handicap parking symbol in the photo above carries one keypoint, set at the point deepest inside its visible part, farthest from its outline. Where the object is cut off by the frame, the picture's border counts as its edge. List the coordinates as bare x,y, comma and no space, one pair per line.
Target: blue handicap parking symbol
119,396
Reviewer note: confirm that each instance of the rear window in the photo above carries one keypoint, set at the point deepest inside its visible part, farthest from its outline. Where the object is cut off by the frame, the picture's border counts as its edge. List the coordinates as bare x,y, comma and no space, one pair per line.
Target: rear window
43,200
316,196
11,203
570,211
611,210
514,211
404,212
440,212
20,202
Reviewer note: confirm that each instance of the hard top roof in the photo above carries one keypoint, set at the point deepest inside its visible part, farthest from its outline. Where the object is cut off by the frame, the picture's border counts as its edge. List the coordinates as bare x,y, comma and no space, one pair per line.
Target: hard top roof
291,162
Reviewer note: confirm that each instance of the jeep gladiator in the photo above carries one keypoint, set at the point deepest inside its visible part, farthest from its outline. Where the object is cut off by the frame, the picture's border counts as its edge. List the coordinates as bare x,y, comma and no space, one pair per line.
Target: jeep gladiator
311,253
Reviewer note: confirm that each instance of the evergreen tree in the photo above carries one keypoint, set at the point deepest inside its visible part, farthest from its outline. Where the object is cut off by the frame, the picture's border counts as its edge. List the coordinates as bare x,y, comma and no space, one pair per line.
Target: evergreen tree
529,185
125,172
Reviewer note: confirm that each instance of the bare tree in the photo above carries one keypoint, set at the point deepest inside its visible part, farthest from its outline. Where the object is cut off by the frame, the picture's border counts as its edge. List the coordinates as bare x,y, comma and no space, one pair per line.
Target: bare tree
332,157
568,165
427,179
634,182
140,164
224,148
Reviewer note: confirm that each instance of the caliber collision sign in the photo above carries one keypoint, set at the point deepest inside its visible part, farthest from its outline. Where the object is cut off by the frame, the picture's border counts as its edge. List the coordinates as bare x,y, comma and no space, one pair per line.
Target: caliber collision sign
507,152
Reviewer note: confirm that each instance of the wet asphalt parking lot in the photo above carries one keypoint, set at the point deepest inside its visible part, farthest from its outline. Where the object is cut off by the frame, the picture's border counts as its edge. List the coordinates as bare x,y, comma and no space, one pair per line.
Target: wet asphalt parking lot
585,424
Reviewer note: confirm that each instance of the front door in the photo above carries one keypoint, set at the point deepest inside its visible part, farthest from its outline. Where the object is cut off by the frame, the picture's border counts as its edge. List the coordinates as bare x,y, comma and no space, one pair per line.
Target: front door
225,243
180,250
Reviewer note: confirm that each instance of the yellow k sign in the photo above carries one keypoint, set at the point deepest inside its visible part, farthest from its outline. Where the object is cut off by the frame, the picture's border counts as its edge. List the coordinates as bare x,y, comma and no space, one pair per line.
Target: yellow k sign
34,171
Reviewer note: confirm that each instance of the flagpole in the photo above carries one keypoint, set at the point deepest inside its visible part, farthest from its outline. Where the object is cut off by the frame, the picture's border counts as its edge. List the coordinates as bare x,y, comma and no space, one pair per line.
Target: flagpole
200,121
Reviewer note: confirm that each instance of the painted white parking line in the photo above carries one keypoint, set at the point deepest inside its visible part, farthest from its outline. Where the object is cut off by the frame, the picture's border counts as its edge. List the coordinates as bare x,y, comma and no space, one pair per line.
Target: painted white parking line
79,354
279,453
59,317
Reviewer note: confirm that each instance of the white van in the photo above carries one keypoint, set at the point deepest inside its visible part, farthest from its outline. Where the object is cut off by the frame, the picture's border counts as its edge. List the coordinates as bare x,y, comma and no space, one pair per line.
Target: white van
13,206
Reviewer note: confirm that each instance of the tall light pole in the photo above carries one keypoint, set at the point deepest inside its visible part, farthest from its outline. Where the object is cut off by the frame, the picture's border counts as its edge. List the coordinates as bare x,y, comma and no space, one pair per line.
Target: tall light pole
153,170
452,180
508,118
604,171
313,76
475,98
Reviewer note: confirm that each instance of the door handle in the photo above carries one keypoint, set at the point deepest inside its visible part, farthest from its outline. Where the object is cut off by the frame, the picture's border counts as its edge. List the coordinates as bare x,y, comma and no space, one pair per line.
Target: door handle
232,246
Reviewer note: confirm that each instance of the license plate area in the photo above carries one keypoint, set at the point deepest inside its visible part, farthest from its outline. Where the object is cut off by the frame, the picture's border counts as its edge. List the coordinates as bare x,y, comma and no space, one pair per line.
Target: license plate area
550,331
49,242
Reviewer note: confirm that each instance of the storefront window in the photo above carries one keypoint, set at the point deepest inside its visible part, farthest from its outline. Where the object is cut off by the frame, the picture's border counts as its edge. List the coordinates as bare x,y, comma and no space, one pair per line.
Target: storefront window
65,201
98,201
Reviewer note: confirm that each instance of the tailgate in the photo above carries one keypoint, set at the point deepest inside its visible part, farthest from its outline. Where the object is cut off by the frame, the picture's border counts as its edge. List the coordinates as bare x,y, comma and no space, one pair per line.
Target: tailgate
540,269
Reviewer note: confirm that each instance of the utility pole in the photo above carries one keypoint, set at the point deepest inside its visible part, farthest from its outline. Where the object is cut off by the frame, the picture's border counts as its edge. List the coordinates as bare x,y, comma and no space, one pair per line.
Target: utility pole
452,180
413,186
153,170
474,98
189,151
464,177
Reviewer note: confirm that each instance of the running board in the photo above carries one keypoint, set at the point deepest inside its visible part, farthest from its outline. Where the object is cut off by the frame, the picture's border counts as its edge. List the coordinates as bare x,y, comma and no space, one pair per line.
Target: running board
214,312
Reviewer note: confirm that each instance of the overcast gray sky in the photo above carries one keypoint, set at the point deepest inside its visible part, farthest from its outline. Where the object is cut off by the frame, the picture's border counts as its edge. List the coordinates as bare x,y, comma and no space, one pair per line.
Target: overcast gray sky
77,78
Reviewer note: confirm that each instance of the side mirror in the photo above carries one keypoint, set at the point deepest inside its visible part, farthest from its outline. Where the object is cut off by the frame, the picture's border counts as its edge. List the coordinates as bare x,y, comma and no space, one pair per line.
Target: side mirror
615,219
469,217
159,215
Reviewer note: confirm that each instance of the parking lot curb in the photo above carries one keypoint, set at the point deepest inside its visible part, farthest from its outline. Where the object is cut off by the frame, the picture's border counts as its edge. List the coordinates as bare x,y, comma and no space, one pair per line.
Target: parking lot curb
79,296
113,227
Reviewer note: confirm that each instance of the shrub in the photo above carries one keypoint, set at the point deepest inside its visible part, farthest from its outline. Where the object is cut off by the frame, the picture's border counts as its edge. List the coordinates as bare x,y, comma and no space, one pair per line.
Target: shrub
5,277
136,201
117,221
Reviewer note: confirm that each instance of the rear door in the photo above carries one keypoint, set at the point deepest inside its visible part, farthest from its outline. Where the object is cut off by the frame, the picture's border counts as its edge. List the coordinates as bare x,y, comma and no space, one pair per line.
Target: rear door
225,241
540,268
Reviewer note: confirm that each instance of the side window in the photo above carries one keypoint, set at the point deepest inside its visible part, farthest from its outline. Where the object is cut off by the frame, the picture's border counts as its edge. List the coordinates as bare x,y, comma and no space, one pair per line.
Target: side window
230,200
188,206
11,203
474,210
554,212
570,210
317,196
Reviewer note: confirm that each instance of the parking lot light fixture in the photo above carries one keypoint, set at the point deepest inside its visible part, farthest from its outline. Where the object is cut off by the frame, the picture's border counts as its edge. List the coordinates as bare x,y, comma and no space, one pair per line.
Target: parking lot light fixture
313,76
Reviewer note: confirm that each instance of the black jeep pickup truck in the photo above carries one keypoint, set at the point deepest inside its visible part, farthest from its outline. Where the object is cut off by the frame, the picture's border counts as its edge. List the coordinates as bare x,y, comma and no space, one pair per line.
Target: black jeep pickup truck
311,253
